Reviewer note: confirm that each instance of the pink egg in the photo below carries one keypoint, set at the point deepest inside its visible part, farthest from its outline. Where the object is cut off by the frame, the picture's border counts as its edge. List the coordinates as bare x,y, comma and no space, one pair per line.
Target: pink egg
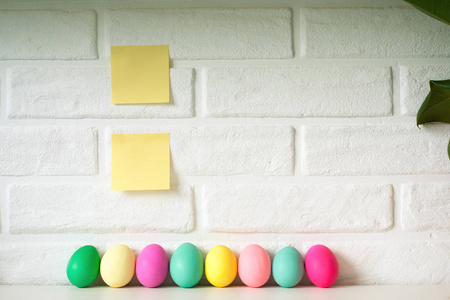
152,266
254,266
321,266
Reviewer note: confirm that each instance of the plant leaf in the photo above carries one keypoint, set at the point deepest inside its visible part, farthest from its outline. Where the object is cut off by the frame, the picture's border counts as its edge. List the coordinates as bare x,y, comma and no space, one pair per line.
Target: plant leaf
436,107
448,149
438,9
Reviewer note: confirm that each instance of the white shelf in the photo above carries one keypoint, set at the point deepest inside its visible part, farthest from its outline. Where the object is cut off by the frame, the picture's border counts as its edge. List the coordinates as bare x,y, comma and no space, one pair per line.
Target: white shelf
234,293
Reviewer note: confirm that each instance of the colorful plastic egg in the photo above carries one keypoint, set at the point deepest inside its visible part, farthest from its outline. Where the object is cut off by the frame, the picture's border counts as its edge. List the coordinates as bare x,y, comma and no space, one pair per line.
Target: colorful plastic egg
152,266
117,266
287,267
220,266
321,266
83,267
254,266
186,265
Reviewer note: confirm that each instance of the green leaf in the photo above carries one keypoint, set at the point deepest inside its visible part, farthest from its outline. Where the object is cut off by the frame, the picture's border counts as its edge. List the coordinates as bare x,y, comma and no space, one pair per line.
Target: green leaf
448,149
436,107
438,9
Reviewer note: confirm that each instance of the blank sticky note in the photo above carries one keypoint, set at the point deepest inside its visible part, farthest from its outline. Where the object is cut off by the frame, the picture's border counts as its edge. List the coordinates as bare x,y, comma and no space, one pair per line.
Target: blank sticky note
140,162
140,74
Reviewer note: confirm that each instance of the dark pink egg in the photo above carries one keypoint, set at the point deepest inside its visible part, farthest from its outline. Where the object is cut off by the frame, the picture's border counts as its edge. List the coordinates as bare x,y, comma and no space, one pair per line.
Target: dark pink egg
321,266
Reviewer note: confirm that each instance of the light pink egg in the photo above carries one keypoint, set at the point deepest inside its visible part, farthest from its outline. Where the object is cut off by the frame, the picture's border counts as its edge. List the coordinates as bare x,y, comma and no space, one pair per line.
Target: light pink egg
152,266
254,266
321,266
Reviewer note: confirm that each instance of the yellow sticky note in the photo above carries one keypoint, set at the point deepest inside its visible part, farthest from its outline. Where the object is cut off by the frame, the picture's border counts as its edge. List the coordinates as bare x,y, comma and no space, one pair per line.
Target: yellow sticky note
140,74
140,162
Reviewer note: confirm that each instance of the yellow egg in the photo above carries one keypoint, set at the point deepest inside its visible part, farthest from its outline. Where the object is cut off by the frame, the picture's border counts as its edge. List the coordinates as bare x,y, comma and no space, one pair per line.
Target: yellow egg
117,266
220,266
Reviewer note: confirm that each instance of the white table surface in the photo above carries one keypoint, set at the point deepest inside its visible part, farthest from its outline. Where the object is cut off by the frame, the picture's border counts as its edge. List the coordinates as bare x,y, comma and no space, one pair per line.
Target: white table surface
229,293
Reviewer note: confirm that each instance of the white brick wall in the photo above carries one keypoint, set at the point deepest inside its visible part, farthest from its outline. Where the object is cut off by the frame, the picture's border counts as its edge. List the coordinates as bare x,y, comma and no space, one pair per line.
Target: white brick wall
48,34
35,263
333,33
72,93
206,33
48,151
390,262
299,91
319,208
375,150
223,150
81,208
426,206
415,85
290,125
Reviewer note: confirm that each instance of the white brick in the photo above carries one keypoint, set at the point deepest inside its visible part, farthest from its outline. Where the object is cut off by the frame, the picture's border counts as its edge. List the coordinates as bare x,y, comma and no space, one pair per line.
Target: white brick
85,208
35,263
86,93
415,85
375,32
426,206
390,262
206,33
298,208
48,34
375,149
223,150
298,91
48,151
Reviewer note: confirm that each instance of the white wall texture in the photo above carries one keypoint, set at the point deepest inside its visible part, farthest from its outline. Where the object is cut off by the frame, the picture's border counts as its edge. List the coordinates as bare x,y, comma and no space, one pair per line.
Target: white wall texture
292,123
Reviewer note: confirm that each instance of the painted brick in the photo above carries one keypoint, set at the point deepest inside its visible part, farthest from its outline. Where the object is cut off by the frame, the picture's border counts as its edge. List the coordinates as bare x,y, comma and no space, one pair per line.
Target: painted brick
35,263
415,86
298,91
425,206
48,151
224,150
206,33
374,32
390,262
298,208
86,93
48,34
96,209
375,149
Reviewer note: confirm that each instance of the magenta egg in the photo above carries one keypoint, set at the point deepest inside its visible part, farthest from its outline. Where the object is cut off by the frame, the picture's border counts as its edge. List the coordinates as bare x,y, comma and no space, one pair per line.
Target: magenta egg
321,266
254,266
152,266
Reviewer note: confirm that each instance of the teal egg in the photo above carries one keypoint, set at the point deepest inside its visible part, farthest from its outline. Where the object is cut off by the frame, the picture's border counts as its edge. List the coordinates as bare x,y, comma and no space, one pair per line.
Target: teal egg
186,265
84,266
287,267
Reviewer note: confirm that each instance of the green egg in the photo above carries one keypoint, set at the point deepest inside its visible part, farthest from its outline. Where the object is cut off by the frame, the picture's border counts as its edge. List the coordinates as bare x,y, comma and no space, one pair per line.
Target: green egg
84,266
186,265
287,267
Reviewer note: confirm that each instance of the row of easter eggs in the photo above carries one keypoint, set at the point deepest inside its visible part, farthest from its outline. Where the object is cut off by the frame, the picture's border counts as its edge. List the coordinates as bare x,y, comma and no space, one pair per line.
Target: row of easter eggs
186,266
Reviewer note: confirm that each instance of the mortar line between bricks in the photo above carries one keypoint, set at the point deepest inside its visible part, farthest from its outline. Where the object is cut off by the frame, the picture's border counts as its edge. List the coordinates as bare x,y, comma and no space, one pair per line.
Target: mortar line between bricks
4,210
302,32
197,63
397,206
241,179
396,104
198,209
242,238
296,33
3,95
199,93
200,4
101,28
226,122
101,149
